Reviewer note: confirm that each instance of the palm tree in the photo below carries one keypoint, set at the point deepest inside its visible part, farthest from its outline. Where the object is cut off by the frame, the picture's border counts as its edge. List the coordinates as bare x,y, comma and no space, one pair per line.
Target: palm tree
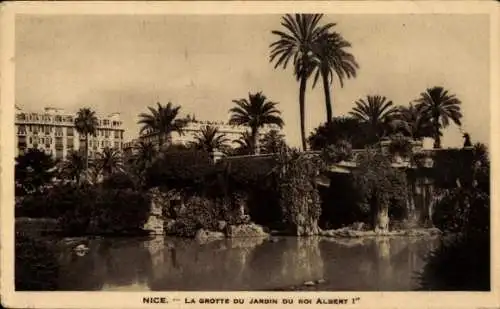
332,60
86,124
256,112
376,111
74,166
297,42
411,121
244,144
273,142
109,161
209,139
145,154
441,107
162,122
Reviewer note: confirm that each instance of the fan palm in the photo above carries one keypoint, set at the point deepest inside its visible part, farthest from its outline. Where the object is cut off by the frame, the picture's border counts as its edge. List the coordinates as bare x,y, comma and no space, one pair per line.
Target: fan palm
162,121
209,139
109,161
332,60
256,112
297,42
376,111
86,124
442,108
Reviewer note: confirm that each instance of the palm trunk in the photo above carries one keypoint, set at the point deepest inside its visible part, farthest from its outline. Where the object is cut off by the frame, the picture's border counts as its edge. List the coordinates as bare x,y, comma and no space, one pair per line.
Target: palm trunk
328,103
302,97
255,141
86,151
437,137
160,140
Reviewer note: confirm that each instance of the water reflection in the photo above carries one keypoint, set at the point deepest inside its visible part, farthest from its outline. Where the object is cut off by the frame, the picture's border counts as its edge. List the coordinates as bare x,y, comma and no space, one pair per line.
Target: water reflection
243,264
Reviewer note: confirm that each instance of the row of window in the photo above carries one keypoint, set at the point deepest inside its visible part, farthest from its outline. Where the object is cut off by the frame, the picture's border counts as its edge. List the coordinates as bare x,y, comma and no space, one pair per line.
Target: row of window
61,118
48,118
69,142
23,129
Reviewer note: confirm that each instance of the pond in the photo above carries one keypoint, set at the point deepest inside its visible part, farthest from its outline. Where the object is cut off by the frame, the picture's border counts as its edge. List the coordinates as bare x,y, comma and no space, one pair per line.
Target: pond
164,263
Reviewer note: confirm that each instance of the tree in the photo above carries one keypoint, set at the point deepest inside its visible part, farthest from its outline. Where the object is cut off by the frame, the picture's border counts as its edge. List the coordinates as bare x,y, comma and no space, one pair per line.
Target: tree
272,142
442,108
302,31
162,121
245,144
332,60
33,171
376,111
144,155
209,139
256,112
381,187
86,124
412,122
348,129
74,166
109,161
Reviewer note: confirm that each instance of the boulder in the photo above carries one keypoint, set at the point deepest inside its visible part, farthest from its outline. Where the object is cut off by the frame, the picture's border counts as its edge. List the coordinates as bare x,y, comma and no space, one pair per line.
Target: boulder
205,236
246,230
221,225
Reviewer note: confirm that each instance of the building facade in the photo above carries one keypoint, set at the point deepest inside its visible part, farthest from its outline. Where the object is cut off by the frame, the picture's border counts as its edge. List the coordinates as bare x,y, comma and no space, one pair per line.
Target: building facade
192,129
53,131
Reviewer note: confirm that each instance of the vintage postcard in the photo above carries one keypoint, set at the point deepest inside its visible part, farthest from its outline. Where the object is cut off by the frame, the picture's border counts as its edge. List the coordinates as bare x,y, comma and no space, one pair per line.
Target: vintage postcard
249,154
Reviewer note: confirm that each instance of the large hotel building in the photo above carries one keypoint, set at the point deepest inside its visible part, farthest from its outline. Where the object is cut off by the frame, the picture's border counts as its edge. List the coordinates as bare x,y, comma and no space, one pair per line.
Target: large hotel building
53,131
192,129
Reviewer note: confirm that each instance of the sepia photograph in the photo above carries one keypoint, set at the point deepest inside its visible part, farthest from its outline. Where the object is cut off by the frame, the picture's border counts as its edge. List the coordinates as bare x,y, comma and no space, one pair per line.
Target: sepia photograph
268,151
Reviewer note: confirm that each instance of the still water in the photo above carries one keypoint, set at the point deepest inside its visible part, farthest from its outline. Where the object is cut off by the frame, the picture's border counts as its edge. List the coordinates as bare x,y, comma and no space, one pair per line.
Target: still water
161,264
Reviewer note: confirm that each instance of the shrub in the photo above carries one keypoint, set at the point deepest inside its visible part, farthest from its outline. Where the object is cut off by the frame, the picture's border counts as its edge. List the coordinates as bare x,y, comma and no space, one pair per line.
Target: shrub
104,210
340,151
199,213
339,129
36,265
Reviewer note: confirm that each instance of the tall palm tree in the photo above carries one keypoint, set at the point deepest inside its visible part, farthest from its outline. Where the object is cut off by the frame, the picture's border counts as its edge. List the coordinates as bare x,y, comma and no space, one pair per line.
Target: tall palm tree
86,124
411,121
256,112
442,108
376,111
109,161
331,59
74,166
162,121
209,139
297,43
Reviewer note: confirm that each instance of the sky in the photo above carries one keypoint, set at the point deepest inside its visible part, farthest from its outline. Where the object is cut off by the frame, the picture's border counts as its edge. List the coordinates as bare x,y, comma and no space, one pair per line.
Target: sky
124,63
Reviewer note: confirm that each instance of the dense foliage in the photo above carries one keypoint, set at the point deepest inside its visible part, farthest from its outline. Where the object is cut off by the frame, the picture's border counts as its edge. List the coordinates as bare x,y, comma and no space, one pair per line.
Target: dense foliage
342,129
36,265
34,170
463,263
380,186
299,196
